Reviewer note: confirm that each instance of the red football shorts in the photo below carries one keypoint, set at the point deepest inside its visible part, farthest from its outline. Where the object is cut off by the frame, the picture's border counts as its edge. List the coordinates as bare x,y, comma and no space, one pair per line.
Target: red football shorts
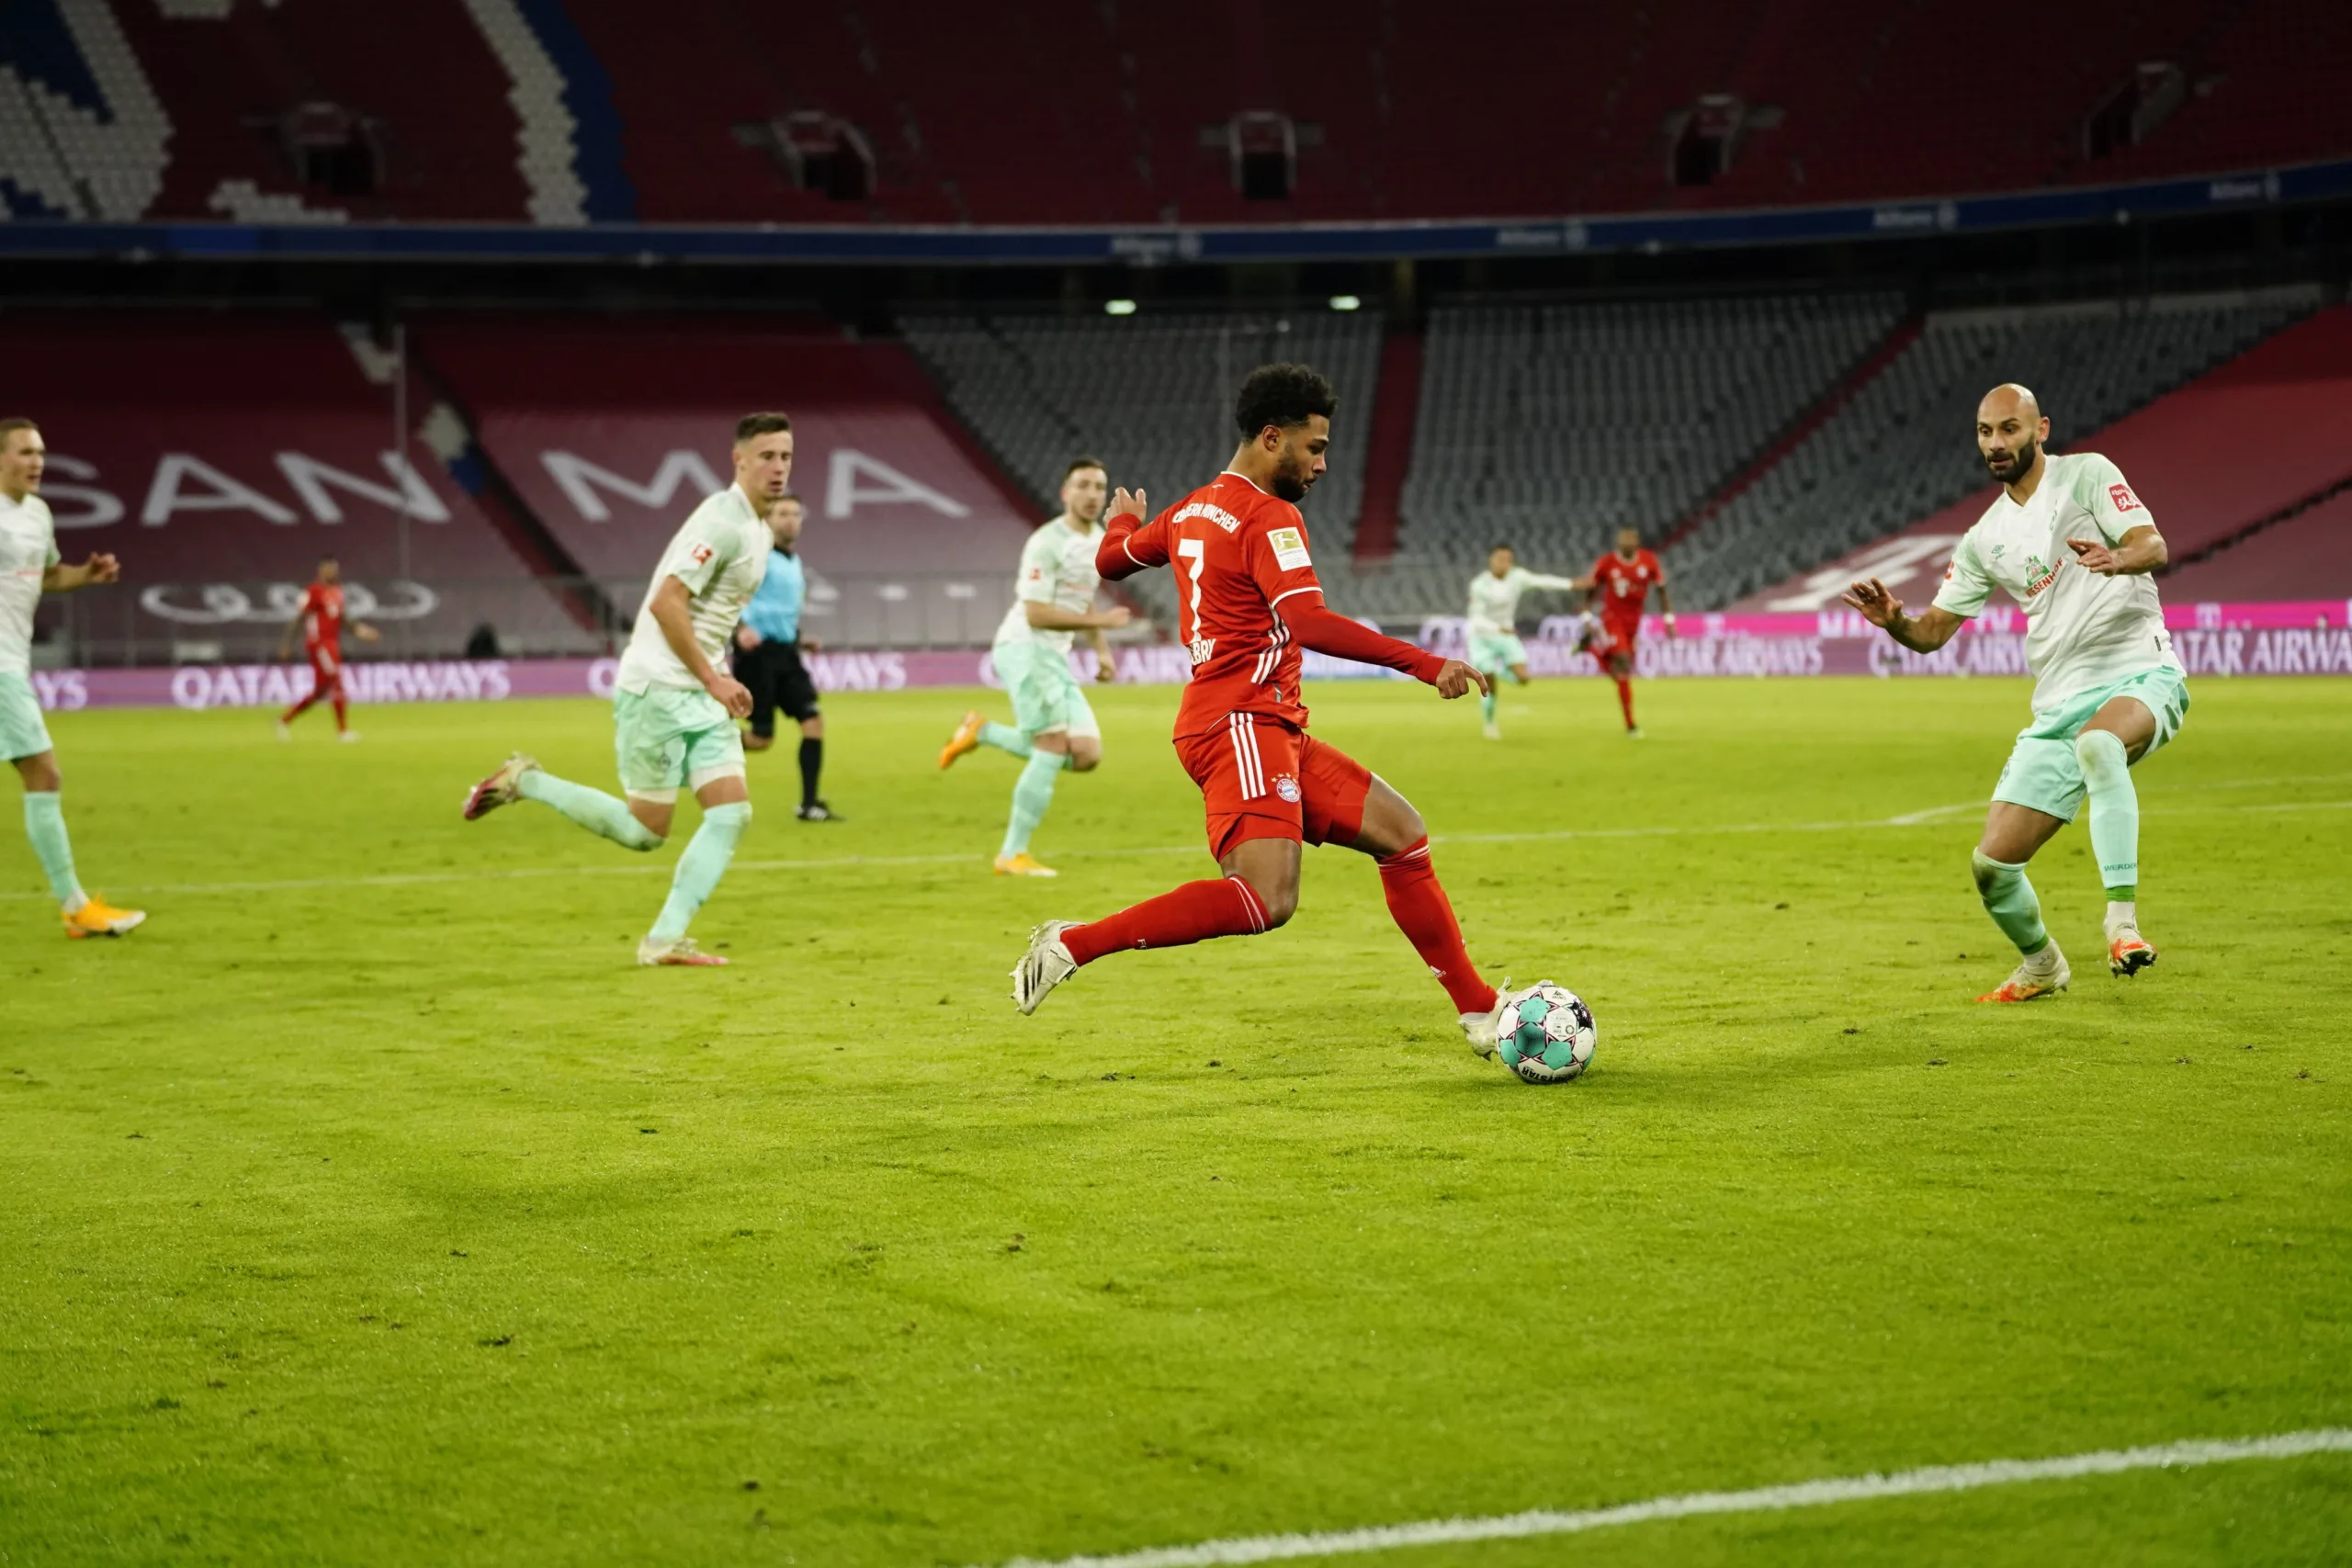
326,671
1262,779
1615,638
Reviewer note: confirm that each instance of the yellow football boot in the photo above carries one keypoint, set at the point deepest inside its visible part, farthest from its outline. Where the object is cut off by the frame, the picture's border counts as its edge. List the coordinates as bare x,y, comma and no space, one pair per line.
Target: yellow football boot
98,918
1023,865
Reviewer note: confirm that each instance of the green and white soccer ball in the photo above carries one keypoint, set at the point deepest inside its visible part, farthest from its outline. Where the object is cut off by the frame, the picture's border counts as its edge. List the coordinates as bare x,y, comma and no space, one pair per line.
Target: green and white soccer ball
1546,1033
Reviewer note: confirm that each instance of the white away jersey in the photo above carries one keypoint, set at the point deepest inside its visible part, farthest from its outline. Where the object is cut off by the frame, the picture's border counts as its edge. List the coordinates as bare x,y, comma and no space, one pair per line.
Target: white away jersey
1494,600
28,550
2083,630
720,555
1057,568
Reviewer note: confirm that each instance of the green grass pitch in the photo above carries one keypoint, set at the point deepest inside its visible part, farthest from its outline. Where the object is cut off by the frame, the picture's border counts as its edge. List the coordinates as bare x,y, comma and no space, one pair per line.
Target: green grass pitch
370,1206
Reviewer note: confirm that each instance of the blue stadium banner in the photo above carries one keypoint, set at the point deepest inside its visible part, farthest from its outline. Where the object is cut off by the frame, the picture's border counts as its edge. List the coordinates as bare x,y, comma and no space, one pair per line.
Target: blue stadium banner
979,245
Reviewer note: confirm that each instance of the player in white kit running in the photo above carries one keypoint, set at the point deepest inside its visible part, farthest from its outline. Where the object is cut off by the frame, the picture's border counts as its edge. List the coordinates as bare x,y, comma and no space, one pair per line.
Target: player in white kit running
2069,542
674,705
1492,630
1053,725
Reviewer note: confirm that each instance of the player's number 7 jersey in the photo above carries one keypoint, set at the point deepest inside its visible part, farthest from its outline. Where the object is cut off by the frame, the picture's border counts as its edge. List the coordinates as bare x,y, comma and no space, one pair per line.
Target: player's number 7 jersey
1237,553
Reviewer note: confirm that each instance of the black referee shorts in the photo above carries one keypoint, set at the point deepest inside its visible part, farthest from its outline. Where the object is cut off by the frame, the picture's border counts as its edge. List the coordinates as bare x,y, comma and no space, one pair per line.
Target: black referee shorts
777,680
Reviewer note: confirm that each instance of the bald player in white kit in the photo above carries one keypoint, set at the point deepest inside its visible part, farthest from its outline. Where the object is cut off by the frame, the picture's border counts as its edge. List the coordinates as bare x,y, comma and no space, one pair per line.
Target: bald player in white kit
2069,542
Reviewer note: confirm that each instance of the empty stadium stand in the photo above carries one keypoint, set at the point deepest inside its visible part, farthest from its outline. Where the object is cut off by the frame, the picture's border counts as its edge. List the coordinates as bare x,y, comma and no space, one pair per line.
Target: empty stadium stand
1555,425
579,111
1902,448
1152,396
2306,556
221,456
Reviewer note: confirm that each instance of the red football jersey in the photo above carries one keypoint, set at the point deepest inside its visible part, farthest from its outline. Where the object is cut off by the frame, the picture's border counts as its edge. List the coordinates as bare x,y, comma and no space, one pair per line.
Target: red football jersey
1623,586
322,612
1237,552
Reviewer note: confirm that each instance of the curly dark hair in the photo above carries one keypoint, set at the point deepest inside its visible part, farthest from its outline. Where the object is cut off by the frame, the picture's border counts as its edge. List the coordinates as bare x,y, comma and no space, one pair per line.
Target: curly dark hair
1285,395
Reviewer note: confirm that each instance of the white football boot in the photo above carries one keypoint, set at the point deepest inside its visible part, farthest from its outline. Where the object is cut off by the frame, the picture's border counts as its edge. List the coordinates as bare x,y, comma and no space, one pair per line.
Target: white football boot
2028,984
500,788
678,953
1481,1028
1046,965
2128,952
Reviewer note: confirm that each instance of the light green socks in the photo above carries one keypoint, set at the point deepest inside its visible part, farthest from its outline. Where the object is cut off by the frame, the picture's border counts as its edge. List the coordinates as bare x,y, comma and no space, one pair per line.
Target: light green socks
2115,811
1004,737
1487,704
45,826
592,808
1032,792
701,866
2010,900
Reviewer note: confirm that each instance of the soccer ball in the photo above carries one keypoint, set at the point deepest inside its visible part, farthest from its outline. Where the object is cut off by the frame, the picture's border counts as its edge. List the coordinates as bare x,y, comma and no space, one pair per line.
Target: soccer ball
1546,1033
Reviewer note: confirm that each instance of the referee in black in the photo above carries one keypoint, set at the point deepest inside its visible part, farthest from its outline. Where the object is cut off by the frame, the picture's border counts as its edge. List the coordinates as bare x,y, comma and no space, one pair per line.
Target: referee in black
767,659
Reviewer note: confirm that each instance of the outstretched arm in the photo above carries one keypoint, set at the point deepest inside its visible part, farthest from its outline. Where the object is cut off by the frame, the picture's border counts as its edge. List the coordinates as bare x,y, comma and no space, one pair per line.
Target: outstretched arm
1048,617
1921,634
1312,624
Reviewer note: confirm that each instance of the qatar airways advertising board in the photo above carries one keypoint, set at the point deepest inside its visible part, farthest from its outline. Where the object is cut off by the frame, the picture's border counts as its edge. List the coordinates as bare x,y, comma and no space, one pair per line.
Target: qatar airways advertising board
2289,638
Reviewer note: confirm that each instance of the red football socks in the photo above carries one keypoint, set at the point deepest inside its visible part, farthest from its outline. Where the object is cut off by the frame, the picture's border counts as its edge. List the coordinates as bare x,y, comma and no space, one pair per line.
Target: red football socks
1417,902
1625,697
1194,912
341,723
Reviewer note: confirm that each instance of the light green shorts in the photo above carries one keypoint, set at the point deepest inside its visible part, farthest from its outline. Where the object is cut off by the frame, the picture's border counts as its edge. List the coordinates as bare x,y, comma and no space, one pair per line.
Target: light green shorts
1496,654
2042,773
22,733
667,736
1046,695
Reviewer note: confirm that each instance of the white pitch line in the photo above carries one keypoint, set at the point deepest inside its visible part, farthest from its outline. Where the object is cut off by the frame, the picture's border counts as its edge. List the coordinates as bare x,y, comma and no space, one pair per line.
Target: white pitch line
1690,1505
1931,816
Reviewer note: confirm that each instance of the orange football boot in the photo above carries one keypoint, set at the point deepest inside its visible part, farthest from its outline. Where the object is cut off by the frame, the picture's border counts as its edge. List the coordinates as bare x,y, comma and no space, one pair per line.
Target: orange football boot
965,738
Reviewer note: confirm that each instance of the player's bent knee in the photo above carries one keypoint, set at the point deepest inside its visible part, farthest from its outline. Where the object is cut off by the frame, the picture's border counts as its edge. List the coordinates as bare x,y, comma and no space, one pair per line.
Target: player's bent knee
1279,903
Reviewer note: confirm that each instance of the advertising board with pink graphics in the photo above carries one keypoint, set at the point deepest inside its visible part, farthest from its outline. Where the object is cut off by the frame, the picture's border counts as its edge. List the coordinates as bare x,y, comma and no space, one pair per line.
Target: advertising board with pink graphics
2281,639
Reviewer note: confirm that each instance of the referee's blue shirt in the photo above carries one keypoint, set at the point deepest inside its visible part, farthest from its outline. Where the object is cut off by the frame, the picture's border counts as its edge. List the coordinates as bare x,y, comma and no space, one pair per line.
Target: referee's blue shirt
774,609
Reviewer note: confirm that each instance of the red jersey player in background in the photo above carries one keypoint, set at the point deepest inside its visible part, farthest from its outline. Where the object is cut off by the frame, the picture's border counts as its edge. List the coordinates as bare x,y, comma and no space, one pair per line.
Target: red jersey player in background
320,617
1247,603
1622,582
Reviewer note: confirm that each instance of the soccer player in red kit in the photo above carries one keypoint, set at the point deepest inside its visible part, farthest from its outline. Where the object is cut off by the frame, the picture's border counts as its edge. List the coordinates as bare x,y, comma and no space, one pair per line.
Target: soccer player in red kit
1622,582
1247,603
320,617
